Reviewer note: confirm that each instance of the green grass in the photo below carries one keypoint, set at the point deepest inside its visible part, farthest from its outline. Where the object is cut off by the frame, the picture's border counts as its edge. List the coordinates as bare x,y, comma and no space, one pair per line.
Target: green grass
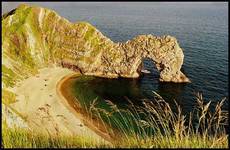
24,138
153,125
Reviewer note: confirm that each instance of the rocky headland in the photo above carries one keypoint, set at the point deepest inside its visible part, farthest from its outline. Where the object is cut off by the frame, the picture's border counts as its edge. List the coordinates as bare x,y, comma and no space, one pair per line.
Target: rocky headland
34,38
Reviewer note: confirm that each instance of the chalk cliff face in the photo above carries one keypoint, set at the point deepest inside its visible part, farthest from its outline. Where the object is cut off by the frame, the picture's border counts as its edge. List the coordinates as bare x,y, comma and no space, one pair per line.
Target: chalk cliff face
34,37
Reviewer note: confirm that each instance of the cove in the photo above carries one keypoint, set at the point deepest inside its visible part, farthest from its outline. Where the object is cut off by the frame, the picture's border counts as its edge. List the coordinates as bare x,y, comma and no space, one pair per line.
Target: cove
88,89
120,92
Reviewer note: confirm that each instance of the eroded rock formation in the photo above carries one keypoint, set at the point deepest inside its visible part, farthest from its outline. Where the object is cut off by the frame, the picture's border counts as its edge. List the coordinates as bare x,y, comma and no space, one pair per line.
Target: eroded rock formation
34,37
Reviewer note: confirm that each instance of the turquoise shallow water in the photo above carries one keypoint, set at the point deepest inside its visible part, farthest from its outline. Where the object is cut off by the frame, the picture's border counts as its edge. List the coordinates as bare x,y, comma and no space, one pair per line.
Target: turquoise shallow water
202,32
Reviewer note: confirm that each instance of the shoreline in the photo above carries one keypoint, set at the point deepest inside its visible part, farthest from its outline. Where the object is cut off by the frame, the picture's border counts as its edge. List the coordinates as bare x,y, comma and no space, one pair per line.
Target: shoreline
70,102
38,101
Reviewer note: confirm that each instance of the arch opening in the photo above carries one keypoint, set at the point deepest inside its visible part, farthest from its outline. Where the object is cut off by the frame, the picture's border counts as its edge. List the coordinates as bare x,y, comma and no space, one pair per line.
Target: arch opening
148,69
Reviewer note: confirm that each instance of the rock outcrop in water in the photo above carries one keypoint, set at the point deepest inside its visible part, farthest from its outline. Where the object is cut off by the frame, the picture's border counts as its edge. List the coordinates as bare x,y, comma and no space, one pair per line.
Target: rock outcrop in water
34,38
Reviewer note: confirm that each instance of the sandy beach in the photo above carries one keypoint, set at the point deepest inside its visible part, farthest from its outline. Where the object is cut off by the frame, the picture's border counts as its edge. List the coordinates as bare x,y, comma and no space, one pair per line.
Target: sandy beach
71,103
40,101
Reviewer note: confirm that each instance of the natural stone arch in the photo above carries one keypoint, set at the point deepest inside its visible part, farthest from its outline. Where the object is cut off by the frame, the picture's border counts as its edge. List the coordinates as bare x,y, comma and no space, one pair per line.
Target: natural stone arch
124,59
163,51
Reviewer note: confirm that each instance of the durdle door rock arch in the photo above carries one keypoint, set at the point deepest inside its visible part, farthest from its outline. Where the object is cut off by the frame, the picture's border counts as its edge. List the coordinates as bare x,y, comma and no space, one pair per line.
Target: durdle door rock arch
35,37
164,51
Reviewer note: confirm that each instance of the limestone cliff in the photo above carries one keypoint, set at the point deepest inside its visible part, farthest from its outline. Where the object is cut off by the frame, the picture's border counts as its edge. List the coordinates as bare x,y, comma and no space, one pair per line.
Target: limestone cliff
34,37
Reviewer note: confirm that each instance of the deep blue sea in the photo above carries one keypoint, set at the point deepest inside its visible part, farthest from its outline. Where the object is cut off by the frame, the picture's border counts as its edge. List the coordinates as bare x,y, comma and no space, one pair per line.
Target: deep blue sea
201,30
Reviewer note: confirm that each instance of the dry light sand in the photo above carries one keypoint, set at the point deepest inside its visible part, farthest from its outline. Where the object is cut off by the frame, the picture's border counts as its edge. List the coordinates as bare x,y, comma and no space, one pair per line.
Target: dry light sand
45,109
